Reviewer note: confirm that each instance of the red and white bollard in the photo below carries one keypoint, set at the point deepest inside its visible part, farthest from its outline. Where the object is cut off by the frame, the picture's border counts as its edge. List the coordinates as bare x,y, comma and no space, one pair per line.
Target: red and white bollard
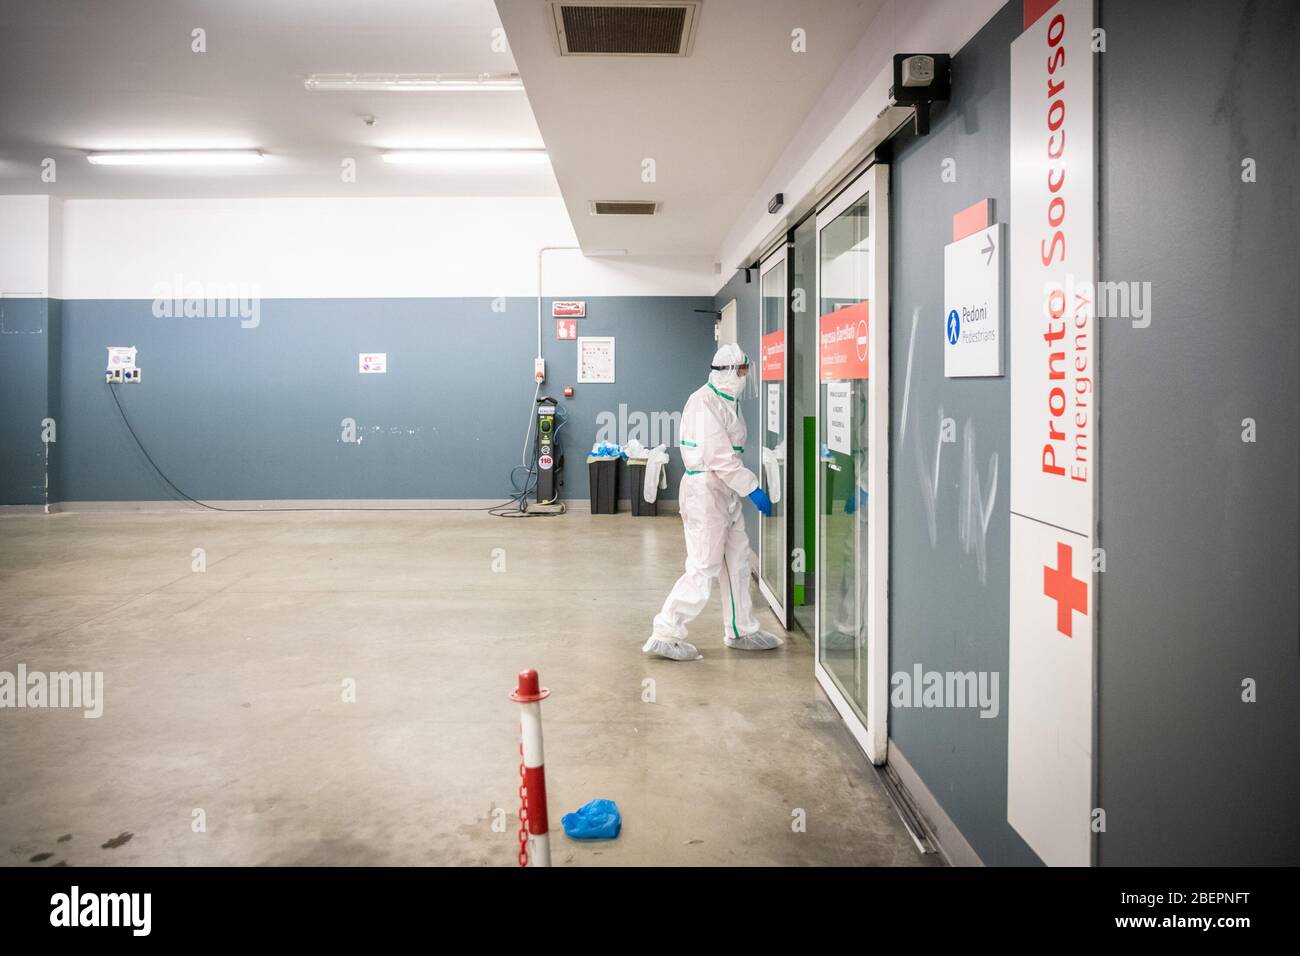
534,841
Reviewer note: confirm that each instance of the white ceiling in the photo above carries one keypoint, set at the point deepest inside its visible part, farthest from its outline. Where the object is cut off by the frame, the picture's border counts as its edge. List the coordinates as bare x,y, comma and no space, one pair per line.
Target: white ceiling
82,75
715,122
79,75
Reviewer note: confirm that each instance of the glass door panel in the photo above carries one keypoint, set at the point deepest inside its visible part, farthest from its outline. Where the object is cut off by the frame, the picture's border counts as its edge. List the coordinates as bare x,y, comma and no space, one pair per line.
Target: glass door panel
844,287
801,359
773,554
852,509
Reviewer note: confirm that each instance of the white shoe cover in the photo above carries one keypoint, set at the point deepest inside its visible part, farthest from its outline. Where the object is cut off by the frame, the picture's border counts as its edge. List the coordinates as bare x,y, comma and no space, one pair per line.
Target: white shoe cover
758,641
673,650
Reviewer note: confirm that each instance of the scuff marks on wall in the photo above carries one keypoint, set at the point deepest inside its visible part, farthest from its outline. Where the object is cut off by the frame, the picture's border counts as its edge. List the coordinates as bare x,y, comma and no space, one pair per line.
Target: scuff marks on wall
975,501
973,511
929,483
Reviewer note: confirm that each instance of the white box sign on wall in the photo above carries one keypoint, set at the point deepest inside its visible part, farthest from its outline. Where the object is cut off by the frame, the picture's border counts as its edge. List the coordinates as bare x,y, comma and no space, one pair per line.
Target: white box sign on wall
1052,328
372,363
972,305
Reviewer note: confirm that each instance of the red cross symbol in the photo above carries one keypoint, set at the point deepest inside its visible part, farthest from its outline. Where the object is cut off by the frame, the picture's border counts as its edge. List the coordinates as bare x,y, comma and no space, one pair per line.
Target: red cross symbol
1069,593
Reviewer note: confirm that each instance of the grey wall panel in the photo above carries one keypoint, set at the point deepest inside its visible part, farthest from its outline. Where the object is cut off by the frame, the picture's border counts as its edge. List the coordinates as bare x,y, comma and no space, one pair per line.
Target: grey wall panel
948,596
54,391
255,413
1201,529
24,398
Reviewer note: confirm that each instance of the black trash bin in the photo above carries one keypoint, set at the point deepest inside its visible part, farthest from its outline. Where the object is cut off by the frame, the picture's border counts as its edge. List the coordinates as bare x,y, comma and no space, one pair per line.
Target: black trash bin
636,485
602,475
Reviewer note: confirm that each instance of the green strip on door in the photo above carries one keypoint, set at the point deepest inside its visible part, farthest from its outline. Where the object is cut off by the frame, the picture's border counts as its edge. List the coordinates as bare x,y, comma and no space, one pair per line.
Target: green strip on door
809,505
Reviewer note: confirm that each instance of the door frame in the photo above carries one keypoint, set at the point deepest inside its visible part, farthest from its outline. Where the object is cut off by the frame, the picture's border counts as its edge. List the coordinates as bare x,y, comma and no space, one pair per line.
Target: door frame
873,735
780,606
725,330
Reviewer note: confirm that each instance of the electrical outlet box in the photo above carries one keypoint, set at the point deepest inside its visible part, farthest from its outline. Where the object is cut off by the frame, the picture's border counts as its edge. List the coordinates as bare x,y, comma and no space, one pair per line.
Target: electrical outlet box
131,376
113,376
539,369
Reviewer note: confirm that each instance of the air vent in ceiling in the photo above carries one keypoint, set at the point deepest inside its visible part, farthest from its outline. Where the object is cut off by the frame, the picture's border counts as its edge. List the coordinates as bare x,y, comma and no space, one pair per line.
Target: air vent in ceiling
623,207
625,27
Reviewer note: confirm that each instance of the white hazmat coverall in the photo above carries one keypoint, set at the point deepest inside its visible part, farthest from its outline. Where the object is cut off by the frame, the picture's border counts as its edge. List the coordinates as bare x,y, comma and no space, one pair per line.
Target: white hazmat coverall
712,437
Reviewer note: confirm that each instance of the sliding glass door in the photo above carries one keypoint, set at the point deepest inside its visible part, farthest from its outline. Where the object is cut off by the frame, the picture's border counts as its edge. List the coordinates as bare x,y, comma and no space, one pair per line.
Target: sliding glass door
801,382
853,424
773,530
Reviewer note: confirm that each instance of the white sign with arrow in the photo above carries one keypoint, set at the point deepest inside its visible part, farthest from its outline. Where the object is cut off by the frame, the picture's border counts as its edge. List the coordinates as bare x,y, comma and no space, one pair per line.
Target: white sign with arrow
972,305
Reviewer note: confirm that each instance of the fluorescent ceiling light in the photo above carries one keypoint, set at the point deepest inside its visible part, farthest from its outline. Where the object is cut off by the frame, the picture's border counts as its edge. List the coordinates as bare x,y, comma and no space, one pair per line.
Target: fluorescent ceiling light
183,157
413,82
466,157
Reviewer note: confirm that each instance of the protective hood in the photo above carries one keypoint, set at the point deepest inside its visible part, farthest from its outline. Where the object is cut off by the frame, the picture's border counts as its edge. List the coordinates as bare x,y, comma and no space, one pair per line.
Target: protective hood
725,375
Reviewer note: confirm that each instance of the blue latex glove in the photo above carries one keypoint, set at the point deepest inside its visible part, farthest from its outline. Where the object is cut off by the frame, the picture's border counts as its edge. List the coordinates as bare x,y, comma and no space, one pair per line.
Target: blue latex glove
761,501
855,501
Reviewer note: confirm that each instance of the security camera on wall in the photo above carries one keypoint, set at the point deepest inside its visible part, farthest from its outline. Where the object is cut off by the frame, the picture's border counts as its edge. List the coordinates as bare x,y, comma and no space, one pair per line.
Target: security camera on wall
920,80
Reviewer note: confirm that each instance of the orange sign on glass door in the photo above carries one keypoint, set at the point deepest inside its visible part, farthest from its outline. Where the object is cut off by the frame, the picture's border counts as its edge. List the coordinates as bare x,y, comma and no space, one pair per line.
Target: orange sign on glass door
773,356
842,338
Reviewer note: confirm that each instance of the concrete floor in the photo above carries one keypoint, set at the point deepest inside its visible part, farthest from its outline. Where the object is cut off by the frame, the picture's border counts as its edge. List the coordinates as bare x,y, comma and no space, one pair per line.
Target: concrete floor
223,693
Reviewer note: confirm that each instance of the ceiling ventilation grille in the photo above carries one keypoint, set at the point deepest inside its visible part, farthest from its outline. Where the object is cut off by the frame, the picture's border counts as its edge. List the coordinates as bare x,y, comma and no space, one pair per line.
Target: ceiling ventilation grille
623,207
625,27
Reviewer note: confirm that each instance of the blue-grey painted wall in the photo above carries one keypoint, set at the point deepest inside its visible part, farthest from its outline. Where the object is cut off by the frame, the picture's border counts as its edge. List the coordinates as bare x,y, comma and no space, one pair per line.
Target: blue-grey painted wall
1201,529
28,394
255,413
54,394
945,612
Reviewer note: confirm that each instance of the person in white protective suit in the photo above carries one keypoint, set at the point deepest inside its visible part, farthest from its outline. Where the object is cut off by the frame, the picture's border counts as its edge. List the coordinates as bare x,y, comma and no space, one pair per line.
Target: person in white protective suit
712,438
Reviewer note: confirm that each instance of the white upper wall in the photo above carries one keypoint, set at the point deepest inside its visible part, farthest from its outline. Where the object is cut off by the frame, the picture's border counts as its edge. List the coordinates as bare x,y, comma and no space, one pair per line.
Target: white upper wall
348,248
25,237
848,109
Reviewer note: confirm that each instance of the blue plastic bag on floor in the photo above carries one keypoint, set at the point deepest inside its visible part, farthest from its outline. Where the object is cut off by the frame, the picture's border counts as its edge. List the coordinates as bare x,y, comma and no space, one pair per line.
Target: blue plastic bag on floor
598,820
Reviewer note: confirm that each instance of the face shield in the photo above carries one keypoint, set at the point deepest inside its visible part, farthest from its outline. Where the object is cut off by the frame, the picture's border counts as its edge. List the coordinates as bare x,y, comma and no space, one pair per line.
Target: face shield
735,377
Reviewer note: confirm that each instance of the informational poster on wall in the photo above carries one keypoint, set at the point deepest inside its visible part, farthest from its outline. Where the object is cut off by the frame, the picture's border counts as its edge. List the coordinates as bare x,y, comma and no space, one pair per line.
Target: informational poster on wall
596,359
1052,332
566,329
772,356
372,363
774,407
842,342
839,416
